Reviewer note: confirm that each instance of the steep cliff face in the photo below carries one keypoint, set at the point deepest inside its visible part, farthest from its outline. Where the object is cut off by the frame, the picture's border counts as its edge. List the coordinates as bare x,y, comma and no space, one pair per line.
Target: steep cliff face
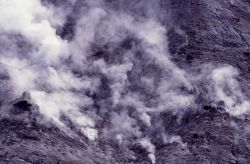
134,81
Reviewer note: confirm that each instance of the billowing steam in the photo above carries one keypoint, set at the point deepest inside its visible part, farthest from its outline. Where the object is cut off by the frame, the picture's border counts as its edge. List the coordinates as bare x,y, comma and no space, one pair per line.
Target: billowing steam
102,66
228,90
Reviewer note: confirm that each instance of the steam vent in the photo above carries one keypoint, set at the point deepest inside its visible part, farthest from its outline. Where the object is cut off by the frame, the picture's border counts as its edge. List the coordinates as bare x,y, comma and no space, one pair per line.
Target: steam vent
124,81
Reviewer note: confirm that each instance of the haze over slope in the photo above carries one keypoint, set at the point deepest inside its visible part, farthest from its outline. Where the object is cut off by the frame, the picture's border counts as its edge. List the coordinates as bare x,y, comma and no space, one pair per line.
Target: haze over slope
128,75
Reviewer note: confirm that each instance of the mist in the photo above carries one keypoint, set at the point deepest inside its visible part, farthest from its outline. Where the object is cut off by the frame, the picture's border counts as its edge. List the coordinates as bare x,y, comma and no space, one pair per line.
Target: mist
105,65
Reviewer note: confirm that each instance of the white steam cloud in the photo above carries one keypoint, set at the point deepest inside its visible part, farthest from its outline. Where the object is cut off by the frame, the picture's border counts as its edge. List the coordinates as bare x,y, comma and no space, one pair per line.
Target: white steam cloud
146,143
65,77
41,71
227,89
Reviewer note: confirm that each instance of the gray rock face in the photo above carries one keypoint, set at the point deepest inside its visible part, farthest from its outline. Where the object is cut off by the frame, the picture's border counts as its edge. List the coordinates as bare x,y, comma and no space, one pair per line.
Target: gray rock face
199,32
215,31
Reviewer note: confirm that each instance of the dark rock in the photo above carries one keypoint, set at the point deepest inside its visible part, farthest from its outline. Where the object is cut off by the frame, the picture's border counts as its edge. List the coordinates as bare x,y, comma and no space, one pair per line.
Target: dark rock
208,31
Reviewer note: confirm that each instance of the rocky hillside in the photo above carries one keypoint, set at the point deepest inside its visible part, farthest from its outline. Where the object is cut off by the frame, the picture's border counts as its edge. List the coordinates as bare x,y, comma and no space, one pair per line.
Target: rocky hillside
136,81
